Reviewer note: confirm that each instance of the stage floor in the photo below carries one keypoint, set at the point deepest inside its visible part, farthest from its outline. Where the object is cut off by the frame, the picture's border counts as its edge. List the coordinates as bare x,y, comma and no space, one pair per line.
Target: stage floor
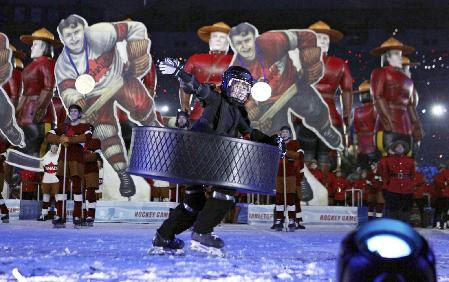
118,251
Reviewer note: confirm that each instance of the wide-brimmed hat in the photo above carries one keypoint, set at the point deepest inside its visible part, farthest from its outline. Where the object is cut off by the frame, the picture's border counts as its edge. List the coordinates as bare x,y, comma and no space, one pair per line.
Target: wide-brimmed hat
322,27
392,44
19,63
205,31
41,34
17,53
364,87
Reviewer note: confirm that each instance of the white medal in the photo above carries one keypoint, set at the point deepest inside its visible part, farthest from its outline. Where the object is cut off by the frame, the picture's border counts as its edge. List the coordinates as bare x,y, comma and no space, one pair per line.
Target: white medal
261,91
85,83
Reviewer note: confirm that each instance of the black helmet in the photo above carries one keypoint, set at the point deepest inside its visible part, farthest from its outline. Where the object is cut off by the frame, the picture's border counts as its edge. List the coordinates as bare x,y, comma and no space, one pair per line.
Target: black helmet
237,73
186,115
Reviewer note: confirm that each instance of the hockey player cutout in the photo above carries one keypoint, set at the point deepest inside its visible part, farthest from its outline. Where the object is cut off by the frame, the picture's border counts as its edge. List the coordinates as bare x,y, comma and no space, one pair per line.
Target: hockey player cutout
91,73
8,125
285,202
224,114
268,57
50,181
92,151
72,136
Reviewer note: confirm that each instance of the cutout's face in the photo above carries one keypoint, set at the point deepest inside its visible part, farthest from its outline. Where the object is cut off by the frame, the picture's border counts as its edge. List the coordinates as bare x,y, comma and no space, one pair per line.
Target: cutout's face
373,166
218,41
394,58
74,114
182,121
54,148
285,134
245,45
399,149
38,49
239,89
313,165
323,41
73,38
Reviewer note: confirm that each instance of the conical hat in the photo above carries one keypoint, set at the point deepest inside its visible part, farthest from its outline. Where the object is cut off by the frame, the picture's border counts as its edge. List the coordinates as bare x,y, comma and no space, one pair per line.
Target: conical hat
41,34
322,27
392,44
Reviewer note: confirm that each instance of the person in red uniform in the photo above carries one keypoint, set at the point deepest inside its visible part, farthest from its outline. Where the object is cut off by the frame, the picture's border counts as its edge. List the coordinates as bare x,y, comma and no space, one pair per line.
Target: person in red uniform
421,187
299,168
337,186
441,183
313,168
364,122
376,199
92,150
207,67
293,153
394,97
4,212
35,112
267,57
8,125
336,78
72,136
397,172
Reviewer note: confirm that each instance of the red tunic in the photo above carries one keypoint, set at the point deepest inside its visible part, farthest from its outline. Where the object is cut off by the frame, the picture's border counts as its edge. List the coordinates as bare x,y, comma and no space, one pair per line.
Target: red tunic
290,168
398,173
92,146
61,113
420,186
396,89
30,179
75,152
273,59
364,127
336,76
338,186
13,86
375,179
441,183
362,185
206,68
37,76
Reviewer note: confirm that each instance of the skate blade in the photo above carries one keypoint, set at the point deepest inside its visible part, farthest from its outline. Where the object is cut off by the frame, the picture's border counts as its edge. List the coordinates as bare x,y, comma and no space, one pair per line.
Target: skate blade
5,221
291,229
160,251
196,246
58,226
78,226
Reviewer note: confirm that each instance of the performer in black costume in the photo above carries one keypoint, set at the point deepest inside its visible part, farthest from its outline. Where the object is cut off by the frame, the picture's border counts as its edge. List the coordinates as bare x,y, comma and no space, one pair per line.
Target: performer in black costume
224,114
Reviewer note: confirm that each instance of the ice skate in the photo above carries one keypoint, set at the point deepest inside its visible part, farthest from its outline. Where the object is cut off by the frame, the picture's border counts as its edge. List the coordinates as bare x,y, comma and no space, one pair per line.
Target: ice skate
43,217
127,187
278,225
162,246
291,225
58,223
89,222
299,225
208,243
5,218
77,223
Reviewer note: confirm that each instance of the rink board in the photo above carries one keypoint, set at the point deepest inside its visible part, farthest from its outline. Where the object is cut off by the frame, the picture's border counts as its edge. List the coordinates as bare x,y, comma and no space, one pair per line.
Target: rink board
312,215
157,212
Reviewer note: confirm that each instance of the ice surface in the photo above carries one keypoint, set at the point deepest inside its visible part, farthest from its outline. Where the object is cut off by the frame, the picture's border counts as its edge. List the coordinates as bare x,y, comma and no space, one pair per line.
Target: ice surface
111,252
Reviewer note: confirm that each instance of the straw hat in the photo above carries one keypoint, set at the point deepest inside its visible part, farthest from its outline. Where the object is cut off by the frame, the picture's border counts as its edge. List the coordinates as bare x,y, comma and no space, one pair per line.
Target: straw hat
322,27
205,31
392,44
19,63
364,87
41,34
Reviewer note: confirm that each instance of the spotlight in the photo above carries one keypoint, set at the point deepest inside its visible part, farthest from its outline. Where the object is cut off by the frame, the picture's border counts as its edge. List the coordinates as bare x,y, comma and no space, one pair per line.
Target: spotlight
261,91
165,109
385,250
438,110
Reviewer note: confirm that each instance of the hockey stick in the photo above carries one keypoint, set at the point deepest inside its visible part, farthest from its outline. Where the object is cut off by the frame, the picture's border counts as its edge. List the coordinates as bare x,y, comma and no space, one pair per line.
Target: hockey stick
64,183
285,196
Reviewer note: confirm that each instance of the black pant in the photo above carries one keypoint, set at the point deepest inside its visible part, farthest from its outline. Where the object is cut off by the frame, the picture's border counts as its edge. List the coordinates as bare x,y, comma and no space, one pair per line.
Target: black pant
442,207
398,206
197,211
421,203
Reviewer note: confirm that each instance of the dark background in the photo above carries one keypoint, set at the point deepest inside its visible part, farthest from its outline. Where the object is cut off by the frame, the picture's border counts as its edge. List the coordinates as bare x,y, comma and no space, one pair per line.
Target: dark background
366,24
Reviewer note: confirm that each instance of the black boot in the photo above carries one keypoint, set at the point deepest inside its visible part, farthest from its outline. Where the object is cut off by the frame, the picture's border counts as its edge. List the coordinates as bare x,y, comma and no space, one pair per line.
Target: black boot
5,218
162,245
127,187
58,223
77,222
208,243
